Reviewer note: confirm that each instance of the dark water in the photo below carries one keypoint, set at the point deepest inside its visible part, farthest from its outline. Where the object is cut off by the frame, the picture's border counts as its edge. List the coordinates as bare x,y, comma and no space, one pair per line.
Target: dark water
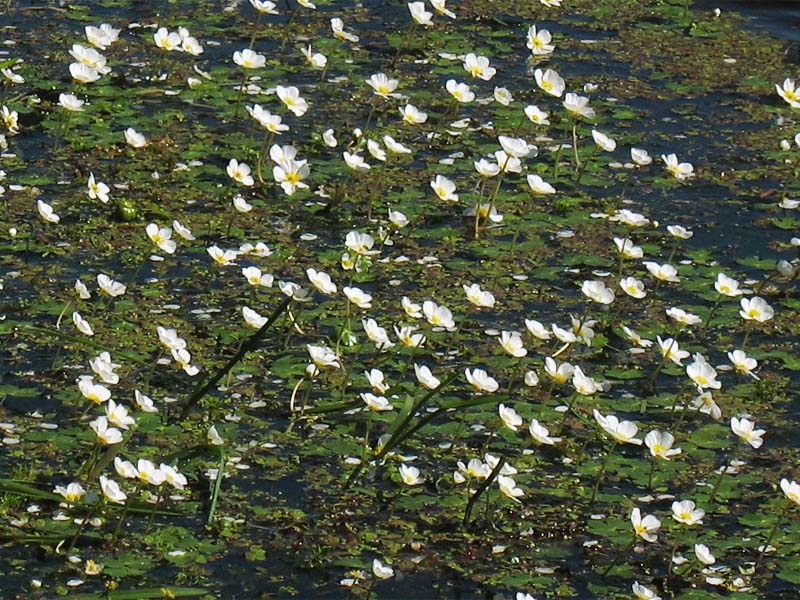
777,18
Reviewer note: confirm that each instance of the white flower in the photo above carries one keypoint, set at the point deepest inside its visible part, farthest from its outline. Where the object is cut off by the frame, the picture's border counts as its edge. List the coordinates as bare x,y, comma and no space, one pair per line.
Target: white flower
679,232
73,492
408,338
411,309
439,6
481,381
503,96
665,272
377,334
106,435
329,139
97,189
321,281
71,102
444,189
539,41
745,429
419,14
702,373
147,472
410,475
167,40
646,527
558,373
264,6
788,92
411,114
103,367
252,318
82,290
240,172
46,212
478,297
641,157
621,431
478,66
337,26
355,161
539,186
82,324
425,377
83,73
669,349
633,287
602,140
101,37
686,512
134,139
660,444
145,403
438,316
683,317
317,60
376,403
629,218
510,417
511,342
248,59
213,436
643,593
704,555
358,297
110,286
117,415
678,170
537,116
585,385
635,338
112,491
791,489
376,381
460,91
182,231
290,96
756,309
578,105
537,329
541,434
376,151
550,82
161,237
742,363
380,570
323,356
705,404
509,488
360,243
94,392
393,145
222,257
397,218
597,291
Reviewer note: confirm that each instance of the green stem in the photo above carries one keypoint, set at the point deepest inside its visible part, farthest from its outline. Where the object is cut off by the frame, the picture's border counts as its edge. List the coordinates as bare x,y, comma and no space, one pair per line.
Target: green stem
217,486
772,533
601,473
721,475
482,488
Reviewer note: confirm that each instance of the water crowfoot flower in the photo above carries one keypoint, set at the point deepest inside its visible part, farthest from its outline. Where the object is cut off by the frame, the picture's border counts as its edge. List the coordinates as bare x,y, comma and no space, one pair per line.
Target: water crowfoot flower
410,474
646,527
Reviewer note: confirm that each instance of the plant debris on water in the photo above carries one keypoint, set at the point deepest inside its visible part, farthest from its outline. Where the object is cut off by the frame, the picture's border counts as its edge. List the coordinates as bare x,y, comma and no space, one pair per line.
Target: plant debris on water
382,299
